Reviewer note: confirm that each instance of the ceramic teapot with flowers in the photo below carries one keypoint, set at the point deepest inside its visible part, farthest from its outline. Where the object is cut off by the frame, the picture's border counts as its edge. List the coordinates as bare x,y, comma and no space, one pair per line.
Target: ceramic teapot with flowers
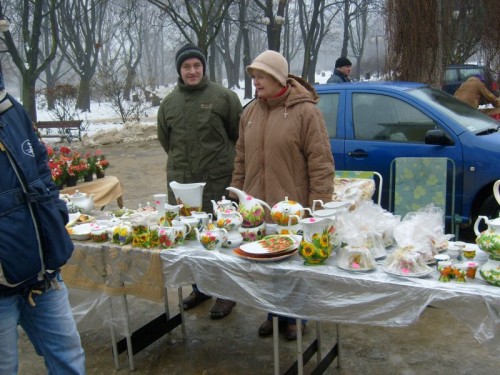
250,208
288,212
489,242
223,205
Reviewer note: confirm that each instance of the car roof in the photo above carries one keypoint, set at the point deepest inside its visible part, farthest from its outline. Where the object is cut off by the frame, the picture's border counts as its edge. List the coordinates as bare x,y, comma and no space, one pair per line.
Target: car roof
371,85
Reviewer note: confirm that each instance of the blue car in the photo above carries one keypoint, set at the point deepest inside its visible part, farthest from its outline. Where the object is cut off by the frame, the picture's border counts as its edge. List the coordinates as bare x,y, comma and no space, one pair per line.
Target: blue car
370,124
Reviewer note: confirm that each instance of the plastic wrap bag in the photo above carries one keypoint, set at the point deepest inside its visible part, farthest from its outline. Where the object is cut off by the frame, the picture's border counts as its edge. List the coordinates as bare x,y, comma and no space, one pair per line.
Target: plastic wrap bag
368,225
353,189
423,231
356,258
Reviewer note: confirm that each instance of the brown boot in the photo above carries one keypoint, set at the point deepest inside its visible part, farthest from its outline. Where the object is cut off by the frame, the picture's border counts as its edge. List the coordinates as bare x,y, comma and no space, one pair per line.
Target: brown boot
266,328
291,331
193,300
221,308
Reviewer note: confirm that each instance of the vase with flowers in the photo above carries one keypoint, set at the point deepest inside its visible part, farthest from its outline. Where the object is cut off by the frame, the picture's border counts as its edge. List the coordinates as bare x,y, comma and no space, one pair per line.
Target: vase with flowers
101,164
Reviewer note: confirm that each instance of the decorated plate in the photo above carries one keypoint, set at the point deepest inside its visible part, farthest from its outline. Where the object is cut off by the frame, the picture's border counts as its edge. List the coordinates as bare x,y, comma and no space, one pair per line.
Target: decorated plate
414,275
270,244
260,258
356,269
80,232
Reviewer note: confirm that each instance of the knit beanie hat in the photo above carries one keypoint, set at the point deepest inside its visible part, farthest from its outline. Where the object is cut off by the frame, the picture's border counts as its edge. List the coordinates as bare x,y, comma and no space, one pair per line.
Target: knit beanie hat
342,61
187,52
272,63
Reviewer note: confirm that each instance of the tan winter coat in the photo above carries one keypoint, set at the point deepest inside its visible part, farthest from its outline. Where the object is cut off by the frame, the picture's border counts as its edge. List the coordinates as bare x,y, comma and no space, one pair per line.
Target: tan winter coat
472,90
283,149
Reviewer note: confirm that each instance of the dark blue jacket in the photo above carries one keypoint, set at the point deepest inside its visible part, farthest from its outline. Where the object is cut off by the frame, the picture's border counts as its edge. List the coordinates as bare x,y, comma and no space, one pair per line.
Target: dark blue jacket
34,242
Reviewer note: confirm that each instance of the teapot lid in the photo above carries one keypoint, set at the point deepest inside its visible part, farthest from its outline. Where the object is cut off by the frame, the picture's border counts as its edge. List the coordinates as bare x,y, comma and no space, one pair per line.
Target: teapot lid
78,194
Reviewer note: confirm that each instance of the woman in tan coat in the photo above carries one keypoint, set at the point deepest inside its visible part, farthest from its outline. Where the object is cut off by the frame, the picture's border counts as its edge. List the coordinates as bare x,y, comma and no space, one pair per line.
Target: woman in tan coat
473,90
283,149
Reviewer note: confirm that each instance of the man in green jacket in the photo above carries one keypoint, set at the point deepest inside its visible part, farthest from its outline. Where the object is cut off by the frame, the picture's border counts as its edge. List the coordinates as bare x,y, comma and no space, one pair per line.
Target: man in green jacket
198,126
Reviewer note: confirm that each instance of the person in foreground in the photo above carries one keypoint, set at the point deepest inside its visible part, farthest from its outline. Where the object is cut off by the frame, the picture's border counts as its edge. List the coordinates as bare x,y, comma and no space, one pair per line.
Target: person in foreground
283,149
197,128
342,71
34,245
473,91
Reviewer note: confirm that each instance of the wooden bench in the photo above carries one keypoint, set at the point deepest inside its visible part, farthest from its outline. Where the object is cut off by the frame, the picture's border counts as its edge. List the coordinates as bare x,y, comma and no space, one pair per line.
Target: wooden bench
65,129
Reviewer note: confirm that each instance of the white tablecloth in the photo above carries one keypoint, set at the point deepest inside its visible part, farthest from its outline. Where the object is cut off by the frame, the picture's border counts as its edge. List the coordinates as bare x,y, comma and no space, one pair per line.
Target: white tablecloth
327,293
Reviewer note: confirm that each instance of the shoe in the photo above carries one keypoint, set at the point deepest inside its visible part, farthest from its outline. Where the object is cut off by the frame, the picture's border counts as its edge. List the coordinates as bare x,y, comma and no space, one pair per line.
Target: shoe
291,331
221,308
193,300
266,328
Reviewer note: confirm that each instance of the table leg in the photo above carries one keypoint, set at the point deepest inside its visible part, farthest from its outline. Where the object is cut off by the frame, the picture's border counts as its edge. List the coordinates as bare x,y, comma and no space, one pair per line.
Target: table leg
276,346
338,346
300,359
181,309
130,351
113,336
318,339
165,303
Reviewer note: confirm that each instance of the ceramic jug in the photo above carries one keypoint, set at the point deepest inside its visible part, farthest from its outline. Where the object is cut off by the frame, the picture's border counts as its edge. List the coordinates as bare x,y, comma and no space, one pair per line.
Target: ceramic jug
82,200
181,230
223,205
203,219
191,221
211,239
315,246
250,208
282,211
189,195
166,237
496,191
489,242
172,212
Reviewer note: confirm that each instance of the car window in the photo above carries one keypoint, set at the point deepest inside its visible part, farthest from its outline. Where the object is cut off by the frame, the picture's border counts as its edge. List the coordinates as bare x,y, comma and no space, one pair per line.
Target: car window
450,76
381,117
329,105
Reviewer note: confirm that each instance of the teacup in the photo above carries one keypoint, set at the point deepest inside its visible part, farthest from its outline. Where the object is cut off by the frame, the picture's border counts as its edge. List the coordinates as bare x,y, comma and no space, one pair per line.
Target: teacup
166,237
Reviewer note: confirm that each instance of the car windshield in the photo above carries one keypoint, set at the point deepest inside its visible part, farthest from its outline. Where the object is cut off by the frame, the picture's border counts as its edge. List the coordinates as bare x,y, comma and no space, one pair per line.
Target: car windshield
468,117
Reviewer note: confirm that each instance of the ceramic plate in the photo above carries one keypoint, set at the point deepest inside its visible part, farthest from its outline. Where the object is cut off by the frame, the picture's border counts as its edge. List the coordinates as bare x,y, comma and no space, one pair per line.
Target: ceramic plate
280,256
80,232
356,270
270,244
400,274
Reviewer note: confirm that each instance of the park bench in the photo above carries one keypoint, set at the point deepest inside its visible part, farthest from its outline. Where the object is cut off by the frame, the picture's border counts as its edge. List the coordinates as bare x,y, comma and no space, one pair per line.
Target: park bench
65,129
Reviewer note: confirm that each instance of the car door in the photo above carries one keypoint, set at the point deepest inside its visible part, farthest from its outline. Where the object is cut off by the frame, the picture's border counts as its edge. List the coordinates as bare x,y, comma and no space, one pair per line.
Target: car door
381,126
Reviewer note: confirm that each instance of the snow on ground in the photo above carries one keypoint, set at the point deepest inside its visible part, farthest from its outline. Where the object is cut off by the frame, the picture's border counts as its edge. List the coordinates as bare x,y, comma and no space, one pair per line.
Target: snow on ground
103,126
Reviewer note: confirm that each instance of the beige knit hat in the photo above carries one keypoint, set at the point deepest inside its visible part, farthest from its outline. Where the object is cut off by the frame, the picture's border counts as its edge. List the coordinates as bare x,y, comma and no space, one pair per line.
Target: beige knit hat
272,63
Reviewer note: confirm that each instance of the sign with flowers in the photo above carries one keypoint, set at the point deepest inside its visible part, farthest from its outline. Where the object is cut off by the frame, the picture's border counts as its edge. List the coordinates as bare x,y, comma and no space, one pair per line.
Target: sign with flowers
68,167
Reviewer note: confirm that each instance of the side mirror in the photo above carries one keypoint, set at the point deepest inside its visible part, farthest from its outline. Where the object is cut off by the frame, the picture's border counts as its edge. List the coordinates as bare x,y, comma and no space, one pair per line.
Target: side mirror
438,137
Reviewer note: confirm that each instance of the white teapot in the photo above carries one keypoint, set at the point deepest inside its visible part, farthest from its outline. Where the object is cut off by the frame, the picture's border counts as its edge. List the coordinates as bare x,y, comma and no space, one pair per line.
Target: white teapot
83,200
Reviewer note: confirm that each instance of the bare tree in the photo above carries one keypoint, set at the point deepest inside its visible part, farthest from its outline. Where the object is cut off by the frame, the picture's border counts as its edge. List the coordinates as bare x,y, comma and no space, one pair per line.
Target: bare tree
313,26
26,53
81,26
358,29
203,18
274,23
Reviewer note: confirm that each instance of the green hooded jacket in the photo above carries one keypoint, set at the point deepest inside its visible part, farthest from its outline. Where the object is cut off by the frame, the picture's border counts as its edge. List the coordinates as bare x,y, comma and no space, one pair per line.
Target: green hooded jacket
198,128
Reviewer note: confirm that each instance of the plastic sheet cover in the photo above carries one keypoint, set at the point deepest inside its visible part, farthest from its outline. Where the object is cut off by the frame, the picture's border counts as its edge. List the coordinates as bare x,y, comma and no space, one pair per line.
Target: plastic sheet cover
328,293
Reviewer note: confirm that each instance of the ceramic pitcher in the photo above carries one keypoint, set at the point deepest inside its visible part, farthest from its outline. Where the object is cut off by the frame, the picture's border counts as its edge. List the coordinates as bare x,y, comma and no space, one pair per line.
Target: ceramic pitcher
316,245
189,195
250,208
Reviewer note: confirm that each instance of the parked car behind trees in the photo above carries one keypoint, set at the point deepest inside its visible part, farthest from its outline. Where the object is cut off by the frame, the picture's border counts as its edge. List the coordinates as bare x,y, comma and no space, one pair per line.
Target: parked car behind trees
370,124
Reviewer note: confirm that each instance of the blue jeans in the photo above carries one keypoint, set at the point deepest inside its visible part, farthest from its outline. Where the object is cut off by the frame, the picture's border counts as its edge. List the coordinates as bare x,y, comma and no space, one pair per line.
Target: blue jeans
284,319
49,325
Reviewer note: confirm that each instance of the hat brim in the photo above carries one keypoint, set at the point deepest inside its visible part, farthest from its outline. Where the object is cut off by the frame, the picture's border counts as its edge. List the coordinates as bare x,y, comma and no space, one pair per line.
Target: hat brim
256,65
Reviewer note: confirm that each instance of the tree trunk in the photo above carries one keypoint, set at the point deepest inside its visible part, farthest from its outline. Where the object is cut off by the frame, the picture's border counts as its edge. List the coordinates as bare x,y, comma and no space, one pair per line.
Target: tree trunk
129,82
83,99
29,97
247,61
